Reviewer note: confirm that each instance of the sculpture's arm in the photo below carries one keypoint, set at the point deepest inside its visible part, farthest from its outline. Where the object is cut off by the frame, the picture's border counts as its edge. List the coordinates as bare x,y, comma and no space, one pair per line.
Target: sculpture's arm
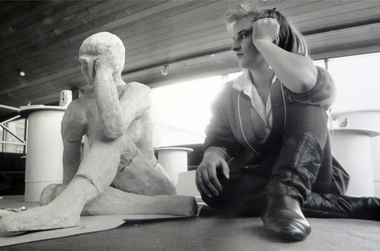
73,128
135,101
107,100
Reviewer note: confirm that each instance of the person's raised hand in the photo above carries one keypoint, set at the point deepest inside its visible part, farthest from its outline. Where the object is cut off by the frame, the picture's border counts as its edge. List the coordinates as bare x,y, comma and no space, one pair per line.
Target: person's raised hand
266,29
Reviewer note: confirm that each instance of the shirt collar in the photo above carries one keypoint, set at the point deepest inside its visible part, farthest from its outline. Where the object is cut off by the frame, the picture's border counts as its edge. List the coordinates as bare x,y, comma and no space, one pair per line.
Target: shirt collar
244,82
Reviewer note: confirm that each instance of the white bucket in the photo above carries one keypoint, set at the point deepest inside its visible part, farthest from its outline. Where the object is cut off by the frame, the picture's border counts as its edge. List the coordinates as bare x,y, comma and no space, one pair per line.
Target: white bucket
366,120
351,147
44,152
173,160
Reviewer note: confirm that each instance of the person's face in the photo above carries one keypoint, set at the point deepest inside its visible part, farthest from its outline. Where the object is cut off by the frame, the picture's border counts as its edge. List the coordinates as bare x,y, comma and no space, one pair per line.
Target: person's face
246,53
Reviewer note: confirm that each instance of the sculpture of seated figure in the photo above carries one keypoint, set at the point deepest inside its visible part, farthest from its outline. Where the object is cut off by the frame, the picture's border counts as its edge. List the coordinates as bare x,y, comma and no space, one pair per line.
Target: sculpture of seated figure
120,174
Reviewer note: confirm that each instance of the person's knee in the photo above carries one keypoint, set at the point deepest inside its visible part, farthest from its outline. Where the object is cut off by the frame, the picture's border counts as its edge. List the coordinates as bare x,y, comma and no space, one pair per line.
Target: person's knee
225,201
306,119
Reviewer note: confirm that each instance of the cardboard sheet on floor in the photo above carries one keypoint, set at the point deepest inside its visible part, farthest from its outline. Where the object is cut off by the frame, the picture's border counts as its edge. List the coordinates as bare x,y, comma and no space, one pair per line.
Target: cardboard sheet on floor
88,224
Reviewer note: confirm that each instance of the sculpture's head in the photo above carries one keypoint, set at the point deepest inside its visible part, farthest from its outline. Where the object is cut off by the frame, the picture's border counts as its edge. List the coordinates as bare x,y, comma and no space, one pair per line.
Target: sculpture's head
105,46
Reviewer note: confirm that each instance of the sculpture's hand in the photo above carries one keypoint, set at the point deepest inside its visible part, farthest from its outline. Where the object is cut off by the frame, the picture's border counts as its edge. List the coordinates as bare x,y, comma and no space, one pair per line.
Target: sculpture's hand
107,100
100,67
89,68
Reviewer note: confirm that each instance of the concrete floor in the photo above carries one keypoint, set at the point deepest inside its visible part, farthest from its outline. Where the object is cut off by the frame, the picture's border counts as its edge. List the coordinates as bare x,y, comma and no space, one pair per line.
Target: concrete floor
212,232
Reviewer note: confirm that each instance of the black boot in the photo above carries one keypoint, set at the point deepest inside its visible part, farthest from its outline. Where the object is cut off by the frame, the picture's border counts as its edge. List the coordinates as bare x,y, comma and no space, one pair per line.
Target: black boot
283,218
290,185
341,206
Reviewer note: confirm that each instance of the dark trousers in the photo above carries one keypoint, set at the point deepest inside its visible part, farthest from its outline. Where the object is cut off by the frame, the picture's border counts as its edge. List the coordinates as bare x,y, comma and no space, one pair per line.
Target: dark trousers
243,193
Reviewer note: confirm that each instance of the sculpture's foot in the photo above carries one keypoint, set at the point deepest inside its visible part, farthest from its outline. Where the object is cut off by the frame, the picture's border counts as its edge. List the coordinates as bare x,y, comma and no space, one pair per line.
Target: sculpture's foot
179,205
50,192
40,218
4,213
115,201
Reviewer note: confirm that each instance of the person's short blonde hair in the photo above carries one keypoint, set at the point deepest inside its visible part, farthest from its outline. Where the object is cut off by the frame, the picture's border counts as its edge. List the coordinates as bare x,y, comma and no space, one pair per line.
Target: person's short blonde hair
290,39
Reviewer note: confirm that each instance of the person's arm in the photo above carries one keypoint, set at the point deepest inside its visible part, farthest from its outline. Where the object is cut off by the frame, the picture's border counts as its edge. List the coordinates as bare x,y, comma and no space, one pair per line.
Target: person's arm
220,145
296,72
206,174
117,113
322,94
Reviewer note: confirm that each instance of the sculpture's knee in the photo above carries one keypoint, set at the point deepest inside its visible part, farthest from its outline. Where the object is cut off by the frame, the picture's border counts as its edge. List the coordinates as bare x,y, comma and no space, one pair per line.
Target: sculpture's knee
127,155
50,192
100,165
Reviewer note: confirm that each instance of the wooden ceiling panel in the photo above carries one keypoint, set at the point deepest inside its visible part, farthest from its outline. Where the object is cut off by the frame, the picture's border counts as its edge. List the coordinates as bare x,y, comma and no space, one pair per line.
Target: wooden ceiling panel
367,36
63,34
42,38
8,6
339,17
174,29
43,26
14,21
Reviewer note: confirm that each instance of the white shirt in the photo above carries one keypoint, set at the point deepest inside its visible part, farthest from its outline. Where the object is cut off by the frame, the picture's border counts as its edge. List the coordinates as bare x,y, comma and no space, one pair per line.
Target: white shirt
244,84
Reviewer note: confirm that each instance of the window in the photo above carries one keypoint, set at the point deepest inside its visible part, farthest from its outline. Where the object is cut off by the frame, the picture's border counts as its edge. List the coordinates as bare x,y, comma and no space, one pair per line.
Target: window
10,143
181,111
357,79
320,63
